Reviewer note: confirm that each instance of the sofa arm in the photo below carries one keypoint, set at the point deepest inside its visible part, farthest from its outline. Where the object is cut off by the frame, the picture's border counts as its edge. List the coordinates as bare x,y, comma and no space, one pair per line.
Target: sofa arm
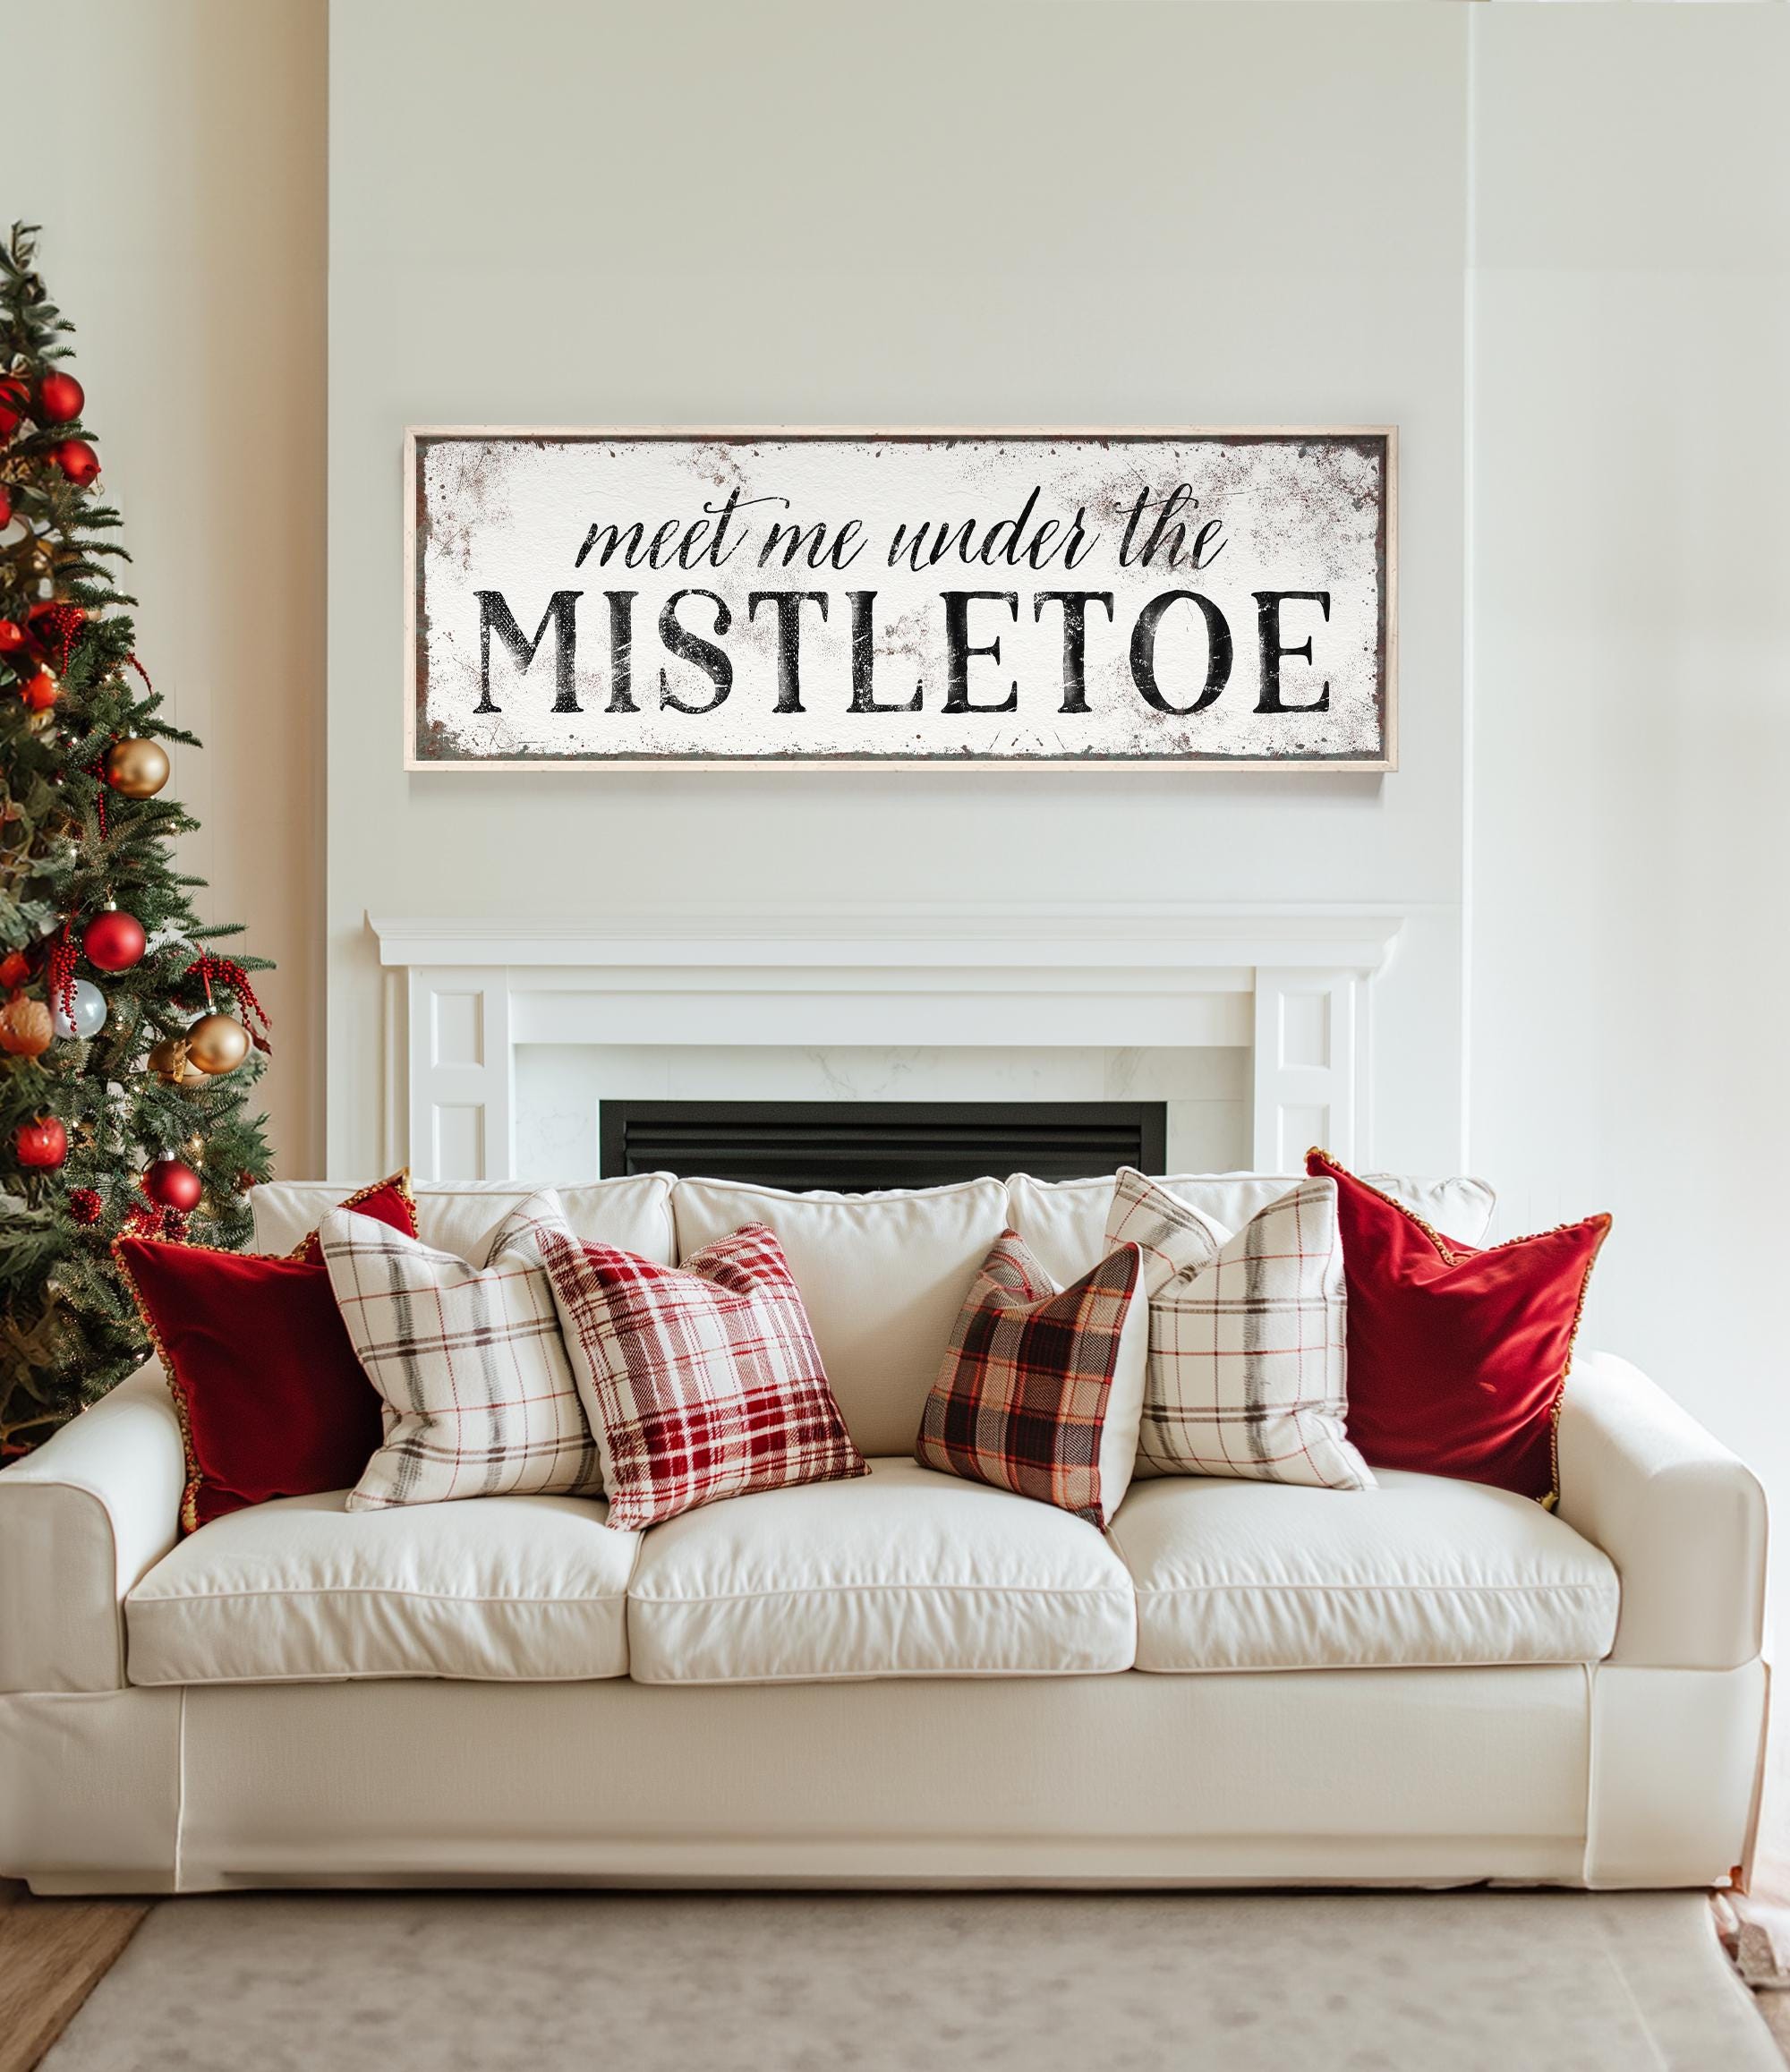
1683,1520
80,1519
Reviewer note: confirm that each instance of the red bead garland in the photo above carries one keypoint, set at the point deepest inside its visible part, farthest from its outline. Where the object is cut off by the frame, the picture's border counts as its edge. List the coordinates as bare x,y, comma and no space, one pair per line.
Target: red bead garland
59,972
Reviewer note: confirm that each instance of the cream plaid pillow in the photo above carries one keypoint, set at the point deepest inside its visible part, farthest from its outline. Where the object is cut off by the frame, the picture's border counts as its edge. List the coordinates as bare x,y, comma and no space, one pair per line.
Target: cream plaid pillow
479,1398
1246,1375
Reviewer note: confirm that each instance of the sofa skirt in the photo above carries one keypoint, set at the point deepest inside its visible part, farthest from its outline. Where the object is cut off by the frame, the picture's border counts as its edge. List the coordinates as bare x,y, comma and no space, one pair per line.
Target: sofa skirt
1601,1777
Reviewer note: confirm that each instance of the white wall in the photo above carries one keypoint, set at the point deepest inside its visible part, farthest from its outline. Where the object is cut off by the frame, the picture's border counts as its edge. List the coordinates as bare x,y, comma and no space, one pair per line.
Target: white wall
1630,673
1548,242
980,213
174,154
1007,214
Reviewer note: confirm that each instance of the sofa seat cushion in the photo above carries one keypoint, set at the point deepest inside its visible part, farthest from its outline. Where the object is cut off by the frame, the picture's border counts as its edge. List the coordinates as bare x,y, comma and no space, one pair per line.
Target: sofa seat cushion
908,1573
1420,1572
492,1588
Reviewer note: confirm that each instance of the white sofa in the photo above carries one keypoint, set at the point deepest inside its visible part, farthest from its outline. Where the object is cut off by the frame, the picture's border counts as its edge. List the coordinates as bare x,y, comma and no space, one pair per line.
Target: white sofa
911,1680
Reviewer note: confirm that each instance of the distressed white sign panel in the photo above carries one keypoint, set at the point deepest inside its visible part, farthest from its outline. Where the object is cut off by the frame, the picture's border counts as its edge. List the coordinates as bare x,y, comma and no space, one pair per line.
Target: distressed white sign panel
593,598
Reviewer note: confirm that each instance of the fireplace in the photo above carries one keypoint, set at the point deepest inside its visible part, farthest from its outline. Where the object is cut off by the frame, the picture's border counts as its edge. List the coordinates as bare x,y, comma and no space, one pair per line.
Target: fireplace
855,1146
1287,990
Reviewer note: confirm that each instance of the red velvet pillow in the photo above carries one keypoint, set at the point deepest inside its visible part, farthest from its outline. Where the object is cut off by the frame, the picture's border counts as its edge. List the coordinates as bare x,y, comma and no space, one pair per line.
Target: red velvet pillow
1457,1356
272,1401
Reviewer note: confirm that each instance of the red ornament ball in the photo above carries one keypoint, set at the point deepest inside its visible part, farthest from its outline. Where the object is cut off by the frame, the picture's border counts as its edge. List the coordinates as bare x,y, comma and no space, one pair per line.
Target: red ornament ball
174,1184
78,460
12,636
86,1204
14,398
5,507
15,968
42,1144
40,692
60,398
114,941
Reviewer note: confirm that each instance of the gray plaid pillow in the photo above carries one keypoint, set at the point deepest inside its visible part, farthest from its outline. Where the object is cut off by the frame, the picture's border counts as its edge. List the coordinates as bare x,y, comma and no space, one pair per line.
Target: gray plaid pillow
1247,1374
479,1397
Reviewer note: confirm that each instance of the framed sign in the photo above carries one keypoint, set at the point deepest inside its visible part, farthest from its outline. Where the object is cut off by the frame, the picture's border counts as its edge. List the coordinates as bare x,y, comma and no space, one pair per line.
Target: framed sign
586,599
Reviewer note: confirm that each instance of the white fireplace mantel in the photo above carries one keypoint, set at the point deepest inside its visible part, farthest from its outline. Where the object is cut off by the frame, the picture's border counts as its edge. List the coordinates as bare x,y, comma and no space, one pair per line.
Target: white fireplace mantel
1291,984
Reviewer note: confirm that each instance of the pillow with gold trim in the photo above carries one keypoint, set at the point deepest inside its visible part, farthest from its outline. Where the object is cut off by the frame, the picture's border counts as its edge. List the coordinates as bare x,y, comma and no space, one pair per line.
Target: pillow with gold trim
271,1399
1458,1356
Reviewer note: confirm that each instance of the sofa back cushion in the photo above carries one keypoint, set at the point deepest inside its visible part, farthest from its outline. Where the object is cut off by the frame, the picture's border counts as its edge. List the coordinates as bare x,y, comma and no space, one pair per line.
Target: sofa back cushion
462,1217
1064,1221
884,1277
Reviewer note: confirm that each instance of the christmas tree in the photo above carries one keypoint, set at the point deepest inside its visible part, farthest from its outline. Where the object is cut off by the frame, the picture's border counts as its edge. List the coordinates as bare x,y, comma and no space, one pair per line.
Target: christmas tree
128,1045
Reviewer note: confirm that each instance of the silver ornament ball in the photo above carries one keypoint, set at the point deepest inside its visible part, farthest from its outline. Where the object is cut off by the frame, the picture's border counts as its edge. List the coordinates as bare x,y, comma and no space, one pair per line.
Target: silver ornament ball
88,1016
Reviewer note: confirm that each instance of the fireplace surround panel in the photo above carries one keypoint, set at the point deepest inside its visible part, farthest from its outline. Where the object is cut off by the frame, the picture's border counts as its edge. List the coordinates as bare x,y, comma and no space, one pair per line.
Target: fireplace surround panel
1293,986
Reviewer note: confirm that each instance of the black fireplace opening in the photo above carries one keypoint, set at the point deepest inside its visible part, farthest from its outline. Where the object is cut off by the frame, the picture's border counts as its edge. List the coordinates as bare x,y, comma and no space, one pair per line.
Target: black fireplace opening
853,1147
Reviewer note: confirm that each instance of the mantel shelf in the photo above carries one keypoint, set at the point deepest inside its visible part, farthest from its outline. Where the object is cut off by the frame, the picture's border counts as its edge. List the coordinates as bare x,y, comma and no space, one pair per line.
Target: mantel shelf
1135,936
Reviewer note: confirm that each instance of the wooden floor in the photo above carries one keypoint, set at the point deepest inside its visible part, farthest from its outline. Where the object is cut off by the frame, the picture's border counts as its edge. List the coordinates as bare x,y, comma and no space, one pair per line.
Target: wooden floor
53,1953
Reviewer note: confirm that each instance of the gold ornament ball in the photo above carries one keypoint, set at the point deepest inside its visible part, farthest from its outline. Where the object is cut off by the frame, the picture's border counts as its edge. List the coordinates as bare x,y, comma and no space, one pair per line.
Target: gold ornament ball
137,767
169,1062
216,1043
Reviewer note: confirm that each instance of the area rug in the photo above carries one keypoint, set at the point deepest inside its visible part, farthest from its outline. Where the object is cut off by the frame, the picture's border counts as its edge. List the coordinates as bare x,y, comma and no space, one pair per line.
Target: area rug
1472,1982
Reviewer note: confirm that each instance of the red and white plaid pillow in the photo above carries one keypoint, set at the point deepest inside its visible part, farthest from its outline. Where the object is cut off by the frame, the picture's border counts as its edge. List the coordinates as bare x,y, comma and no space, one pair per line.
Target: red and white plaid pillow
701,1381
1041,1388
